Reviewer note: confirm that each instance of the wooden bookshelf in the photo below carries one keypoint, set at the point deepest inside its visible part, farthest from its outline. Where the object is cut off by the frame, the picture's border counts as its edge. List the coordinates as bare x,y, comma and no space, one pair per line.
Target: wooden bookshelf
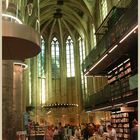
120,71
120,121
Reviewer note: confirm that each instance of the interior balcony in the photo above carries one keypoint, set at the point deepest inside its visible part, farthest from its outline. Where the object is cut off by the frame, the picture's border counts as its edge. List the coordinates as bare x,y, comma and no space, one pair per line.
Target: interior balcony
121,92
119,33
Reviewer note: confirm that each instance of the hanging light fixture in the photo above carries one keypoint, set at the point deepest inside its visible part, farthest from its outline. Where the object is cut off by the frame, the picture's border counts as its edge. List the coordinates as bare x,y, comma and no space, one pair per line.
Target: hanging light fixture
60,105
19,41
30,8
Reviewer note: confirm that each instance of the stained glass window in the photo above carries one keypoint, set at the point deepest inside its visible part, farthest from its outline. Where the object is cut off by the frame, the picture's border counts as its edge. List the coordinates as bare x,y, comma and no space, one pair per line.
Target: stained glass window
41,72
82,57
70,57
104,10
55,56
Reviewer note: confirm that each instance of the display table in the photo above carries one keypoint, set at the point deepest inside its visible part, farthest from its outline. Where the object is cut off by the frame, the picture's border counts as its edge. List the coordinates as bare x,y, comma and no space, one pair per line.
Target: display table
97,137
21,135
36,137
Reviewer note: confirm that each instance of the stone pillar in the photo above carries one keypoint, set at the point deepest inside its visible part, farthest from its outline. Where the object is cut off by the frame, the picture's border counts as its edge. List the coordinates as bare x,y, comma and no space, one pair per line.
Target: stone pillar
8,120
12,99
18,95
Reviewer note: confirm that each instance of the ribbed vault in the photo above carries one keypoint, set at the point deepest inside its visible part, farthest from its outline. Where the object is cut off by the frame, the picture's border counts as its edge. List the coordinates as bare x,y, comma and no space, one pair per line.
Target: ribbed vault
65,15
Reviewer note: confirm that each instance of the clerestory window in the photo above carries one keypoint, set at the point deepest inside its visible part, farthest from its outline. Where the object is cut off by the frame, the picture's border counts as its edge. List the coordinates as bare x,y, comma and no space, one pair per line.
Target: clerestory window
104,9
70,57
41,72
55,57
82,57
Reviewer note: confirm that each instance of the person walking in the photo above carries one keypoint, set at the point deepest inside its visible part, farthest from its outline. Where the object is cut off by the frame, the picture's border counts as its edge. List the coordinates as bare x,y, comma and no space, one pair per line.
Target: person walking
134,130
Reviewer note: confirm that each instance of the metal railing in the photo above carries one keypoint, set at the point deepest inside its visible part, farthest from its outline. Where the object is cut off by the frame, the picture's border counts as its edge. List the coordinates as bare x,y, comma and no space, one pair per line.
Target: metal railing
120,27
120,90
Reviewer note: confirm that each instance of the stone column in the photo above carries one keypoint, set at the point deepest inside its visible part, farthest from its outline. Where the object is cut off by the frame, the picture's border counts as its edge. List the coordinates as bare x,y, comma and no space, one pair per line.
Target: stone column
12,99
8,126
18,95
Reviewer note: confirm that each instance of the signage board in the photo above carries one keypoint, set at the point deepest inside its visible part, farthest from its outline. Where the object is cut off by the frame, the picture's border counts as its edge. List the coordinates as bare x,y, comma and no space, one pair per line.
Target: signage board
127,109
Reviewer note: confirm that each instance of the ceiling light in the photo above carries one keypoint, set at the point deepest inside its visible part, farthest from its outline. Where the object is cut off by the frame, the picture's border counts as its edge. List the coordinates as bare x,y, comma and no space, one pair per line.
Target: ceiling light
113,48
86,73
129,33
118,105
23,65
107,107
109,72
59,105
131,101
12,17
98,62
126,60
120,65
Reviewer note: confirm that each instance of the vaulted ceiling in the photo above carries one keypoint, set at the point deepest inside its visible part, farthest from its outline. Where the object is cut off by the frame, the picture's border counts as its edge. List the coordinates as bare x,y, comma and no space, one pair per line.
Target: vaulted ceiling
65,15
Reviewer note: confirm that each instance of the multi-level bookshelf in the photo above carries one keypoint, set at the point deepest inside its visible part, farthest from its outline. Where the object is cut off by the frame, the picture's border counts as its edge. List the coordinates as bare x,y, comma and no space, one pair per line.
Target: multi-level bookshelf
120,71
118,79
120,121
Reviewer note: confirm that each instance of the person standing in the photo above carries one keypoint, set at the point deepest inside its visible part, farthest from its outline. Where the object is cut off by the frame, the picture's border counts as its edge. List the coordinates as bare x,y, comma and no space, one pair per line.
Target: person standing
56,134
61,131
26,119
134,130
112,133
77,133
48,133
101,130
85,132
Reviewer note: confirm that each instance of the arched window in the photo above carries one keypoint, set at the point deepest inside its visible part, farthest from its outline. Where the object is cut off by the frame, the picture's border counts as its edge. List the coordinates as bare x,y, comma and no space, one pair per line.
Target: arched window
55,55
41,59
41,72
104,9
30,83
82,57
94,37
70,57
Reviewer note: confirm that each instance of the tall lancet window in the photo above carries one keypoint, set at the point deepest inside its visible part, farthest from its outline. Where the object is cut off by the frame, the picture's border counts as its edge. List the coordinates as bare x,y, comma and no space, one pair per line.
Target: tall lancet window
94,37
41,72
55,55
82,57
70,57
30,84
104,9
